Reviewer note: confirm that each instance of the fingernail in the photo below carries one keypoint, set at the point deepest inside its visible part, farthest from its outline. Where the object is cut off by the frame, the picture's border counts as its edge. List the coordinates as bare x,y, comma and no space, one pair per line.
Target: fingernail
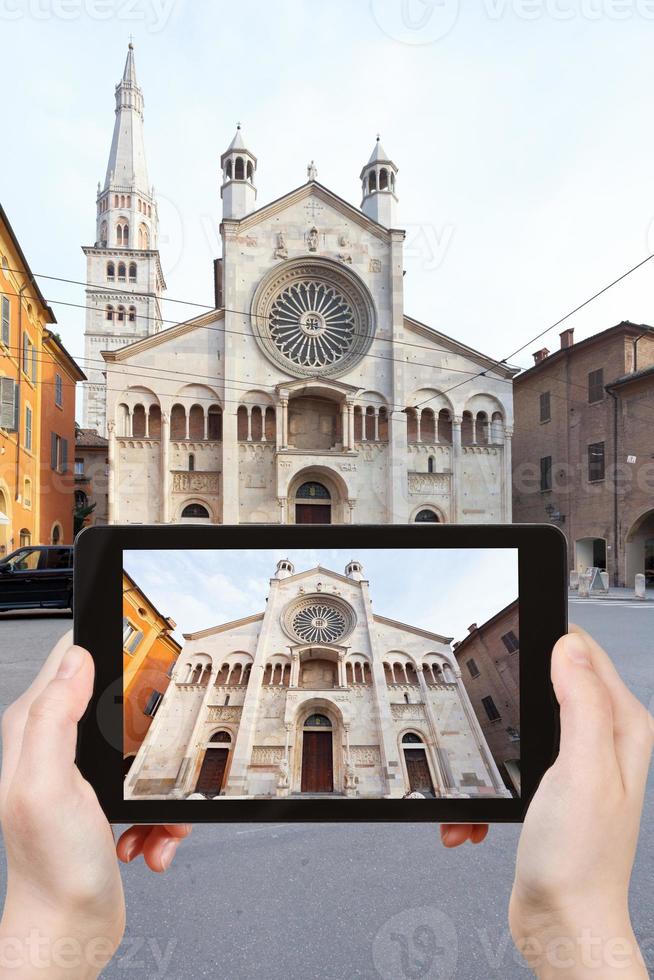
168,853
70,664
130,850
577,649
445,836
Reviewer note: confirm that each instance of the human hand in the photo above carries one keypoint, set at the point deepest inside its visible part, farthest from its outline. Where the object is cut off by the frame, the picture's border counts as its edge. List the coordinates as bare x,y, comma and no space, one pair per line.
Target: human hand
64,904
569,911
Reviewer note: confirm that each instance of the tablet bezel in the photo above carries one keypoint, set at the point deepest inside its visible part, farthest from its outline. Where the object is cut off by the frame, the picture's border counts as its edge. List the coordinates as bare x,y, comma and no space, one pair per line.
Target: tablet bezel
98,614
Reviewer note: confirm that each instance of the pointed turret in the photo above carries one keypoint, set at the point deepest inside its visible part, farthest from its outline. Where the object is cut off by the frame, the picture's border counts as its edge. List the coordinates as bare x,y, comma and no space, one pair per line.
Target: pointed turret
378,185
239,167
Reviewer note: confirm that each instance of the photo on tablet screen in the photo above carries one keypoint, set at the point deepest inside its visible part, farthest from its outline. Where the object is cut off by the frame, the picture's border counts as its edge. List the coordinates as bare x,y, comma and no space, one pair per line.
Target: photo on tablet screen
387,674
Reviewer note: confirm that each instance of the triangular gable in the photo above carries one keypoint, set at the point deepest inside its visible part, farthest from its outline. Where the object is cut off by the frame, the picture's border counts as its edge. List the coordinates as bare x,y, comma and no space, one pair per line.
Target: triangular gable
170,333
312,189
415,326
321,569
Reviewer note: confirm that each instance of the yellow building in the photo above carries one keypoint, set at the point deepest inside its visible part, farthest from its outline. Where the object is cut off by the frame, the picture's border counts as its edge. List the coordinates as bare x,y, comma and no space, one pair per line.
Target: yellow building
149,654
24,316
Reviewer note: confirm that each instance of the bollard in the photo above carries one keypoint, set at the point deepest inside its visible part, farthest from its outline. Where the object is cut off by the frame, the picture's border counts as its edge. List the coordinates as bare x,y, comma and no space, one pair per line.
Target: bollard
640,586
584,585
605,580
574,579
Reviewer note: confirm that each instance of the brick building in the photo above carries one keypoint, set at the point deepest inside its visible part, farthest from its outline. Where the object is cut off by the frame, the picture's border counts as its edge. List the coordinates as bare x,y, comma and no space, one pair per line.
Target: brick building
584,449
150,652
489,660
91,476
59,377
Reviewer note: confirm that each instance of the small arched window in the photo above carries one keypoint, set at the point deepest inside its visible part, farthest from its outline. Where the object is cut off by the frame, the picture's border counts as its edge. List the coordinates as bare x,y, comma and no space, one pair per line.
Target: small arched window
426,517
481,428
121,313
372,181
431,464
103,233
221,737
239,169
132,314
121,272
406,698
195,510
116,201
228,170
383,179
411,739
250,171
191,462
132,272
111,271
110,312
317,721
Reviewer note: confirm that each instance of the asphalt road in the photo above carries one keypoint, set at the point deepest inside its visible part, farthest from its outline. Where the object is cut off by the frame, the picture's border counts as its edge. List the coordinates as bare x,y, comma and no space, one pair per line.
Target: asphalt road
344,901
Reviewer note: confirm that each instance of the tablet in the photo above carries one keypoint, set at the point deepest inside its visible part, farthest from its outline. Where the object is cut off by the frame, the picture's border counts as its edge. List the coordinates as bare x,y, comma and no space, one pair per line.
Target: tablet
319,673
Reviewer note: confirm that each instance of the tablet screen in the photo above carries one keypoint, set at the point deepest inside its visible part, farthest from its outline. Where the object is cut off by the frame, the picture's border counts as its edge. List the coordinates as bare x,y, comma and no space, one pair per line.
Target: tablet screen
316,673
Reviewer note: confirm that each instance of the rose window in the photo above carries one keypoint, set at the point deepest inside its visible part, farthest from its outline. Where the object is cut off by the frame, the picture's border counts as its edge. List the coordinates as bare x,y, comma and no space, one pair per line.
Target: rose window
318,619
312,316
312,324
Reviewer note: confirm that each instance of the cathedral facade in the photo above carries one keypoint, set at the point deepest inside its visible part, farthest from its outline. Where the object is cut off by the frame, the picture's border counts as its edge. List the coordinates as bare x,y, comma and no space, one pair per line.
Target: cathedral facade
315,695
308,394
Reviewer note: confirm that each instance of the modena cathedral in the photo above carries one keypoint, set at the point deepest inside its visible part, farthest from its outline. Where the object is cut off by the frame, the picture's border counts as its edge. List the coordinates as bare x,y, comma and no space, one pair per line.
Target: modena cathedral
315,695
307,395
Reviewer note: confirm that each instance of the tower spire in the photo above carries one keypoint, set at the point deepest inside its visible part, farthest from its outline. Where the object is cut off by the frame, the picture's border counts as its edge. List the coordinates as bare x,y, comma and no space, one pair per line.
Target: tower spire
126,165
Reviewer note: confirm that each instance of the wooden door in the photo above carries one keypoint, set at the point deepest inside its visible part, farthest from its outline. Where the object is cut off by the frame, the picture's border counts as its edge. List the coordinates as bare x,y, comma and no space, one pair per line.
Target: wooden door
313,513
418,770
317,763
210,780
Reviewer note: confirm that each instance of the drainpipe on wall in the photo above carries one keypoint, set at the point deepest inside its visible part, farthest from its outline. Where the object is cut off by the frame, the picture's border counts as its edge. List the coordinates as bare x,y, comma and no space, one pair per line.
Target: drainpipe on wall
616,550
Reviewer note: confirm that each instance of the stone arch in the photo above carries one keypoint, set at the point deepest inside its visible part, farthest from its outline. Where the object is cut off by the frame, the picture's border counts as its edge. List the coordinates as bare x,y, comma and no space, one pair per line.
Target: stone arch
333,481
639,549
422,745
327,707
436,509
190,503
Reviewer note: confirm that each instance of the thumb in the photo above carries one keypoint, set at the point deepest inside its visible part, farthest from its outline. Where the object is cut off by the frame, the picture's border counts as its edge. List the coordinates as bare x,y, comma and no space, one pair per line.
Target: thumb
50,735
586,715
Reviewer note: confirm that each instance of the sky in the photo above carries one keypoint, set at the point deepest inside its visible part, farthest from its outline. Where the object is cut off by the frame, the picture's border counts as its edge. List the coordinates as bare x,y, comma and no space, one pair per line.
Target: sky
521,128
443,591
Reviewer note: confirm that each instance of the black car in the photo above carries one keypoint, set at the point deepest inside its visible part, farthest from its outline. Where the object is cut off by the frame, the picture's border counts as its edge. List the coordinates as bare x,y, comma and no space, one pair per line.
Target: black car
37,577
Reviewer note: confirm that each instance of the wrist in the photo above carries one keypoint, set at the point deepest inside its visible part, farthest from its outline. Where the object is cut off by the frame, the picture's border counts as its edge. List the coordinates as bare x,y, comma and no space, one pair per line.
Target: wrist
569,946
38,939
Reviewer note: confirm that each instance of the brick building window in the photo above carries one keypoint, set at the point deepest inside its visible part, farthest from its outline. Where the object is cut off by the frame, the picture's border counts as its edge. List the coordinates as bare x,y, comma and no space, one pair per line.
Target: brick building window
511,642
545,410
28,428
546,473
596,461
472,667
5,321
131,636
59,391
490,708
596,386
58,453
152,703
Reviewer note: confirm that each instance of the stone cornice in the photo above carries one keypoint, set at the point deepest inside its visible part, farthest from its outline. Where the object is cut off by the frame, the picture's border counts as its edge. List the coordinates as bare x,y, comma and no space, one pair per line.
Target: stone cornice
503,370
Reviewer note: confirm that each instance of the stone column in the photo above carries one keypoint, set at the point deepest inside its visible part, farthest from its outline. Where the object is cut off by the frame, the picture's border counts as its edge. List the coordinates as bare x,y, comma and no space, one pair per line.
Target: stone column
344,426
248,409
482,744
130,422
376,425
295,669
112,502
146,412
364,416
183,784
284,423
350,419
262,412
444,777
187,420
418,412
165,468
230,474
342,682
507,477
456,494
206,424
